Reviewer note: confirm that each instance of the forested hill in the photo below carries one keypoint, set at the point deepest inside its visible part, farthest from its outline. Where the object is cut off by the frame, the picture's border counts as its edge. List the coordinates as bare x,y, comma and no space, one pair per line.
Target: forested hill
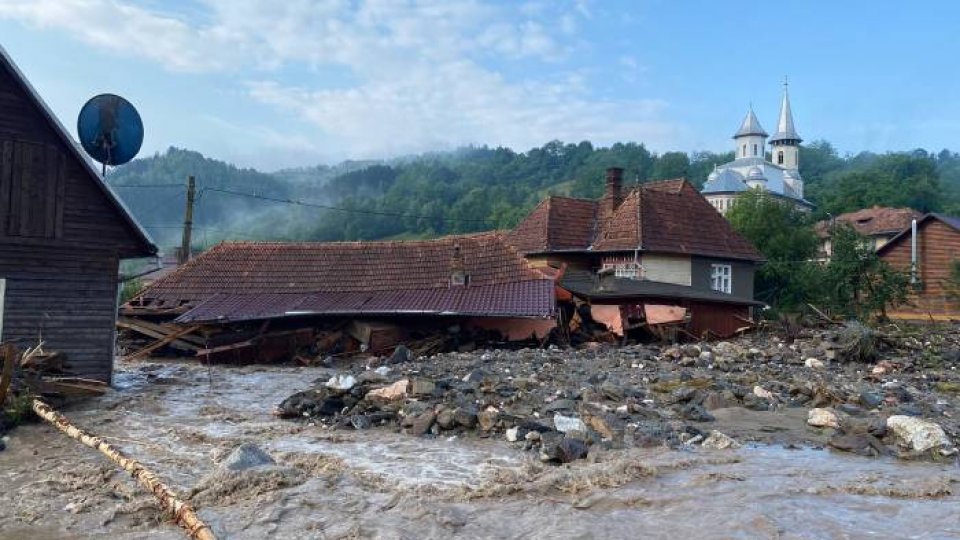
481,188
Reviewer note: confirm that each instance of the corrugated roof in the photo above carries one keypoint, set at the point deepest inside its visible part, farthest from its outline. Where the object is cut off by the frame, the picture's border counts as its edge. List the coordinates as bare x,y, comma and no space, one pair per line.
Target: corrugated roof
523,299
591,286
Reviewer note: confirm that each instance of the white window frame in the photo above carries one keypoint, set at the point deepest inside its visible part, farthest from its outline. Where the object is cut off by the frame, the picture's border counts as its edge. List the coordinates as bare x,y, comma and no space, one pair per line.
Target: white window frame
721,278
628,271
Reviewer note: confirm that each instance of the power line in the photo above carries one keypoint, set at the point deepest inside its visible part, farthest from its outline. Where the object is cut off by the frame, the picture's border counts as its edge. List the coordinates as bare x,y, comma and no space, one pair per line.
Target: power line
148,186
340,209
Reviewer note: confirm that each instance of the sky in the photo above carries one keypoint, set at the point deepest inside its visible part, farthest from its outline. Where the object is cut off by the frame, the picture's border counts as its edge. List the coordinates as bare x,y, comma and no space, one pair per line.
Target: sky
276,84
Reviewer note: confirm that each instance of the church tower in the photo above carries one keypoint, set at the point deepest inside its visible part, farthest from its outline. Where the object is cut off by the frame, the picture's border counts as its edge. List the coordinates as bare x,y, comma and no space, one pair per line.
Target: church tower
786,141
750,139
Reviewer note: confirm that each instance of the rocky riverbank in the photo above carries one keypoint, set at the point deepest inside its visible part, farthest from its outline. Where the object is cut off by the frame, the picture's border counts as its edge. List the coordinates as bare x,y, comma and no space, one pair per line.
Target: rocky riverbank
894,391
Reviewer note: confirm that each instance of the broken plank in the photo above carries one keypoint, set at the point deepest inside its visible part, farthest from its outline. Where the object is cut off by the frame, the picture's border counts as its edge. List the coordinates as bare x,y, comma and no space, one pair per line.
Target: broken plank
147,330
224,348
160,343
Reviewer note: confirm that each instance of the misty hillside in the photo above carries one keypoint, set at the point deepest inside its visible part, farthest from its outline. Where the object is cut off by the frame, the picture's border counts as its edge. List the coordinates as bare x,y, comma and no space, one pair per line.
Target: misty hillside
475,189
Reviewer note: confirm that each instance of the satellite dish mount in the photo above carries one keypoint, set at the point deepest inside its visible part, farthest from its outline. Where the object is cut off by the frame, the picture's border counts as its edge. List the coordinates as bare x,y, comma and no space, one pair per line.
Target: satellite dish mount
110,130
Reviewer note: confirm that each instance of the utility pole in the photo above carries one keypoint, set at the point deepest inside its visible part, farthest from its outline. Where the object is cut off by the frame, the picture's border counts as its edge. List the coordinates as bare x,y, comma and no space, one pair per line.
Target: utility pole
188,221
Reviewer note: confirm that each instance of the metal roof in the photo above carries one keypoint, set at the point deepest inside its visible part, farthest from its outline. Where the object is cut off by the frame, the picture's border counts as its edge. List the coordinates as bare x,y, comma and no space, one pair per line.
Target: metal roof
750,126
593,287
786,131
725,181
74,148
524,299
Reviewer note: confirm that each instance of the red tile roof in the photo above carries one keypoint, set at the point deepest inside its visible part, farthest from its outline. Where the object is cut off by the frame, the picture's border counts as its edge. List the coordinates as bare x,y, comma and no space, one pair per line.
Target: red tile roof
665,217
876,221
556,224
246,278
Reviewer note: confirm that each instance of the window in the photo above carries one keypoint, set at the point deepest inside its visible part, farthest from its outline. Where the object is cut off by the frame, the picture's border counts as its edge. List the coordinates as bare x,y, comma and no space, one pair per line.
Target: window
780,157
628,271
721,278
754,149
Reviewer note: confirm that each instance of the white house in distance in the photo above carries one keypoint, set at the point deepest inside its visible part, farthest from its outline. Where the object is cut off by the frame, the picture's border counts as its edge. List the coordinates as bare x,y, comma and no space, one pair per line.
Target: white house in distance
779,176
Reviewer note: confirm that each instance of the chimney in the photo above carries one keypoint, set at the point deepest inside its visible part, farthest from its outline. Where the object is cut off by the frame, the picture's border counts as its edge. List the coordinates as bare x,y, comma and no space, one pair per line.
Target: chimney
613,195
458,271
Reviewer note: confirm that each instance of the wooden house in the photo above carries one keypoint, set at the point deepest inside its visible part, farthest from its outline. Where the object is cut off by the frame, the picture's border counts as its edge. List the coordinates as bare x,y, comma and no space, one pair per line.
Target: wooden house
928,255
62,235
658,244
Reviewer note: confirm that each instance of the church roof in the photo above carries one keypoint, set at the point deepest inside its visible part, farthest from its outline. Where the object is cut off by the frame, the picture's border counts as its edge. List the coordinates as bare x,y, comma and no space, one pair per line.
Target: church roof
724,181
786,131
750,126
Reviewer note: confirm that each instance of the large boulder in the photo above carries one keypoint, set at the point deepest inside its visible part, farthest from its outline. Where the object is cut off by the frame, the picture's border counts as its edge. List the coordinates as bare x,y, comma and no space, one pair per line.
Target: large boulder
917,434
823,418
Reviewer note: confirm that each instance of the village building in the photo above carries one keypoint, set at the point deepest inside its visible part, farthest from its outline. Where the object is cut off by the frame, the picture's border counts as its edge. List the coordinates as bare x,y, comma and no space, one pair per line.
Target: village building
928,252
63,233
658,244
877,224
777,173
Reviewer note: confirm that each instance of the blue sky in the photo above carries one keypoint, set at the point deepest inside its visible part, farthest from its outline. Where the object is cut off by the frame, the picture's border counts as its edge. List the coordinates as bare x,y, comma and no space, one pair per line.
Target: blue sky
301,82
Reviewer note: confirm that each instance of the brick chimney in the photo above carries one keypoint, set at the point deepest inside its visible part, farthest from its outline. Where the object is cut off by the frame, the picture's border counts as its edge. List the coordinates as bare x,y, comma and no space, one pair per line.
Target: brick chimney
458,271
613,194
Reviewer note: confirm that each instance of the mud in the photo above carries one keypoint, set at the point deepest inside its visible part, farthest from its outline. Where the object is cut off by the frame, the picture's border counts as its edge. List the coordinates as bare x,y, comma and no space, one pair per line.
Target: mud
381,483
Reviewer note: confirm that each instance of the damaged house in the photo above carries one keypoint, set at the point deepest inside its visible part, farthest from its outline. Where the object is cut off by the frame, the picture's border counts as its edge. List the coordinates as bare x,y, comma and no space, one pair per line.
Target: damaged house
62,235
271,296
653,254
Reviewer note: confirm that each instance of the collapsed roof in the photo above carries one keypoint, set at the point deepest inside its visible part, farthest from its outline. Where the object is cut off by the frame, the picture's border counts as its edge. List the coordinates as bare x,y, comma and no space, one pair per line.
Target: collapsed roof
257,280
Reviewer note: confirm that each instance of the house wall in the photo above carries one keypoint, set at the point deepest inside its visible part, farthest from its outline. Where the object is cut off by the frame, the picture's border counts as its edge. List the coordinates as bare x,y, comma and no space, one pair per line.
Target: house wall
938,247
742,275
60,242
573,261
667,268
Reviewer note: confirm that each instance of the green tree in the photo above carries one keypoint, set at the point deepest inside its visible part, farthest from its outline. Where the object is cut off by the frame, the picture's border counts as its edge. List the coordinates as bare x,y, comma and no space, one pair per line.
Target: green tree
856,281
671,165
785,237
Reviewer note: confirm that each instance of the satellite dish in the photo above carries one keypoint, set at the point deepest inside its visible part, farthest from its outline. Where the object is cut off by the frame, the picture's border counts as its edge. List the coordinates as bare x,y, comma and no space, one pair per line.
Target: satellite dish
110,129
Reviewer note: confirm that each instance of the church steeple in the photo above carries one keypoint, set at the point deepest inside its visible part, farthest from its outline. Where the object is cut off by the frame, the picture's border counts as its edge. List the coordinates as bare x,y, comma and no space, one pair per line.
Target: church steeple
786,141
786,131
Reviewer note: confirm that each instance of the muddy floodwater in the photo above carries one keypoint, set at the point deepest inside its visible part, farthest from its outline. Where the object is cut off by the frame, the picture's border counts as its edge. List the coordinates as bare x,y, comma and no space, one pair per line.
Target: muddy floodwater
381,484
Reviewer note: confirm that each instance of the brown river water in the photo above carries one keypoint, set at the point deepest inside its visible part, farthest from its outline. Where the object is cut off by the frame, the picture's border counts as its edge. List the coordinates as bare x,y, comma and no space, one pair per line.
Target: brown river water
381,484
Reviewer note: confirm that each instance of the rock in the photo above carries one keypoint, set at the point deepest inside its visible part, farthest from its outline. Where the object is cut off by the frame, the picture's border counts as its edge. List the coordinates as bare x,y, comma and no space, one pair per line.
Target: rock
870,400
762,393
422,387
422,424
862,444
756,403
571,450
446,419
246,456
612,391
360,421
608,426
513,434
951,356
466,417
696,413
560,405
716,400
310,403
371,376
917,434
719,441
823,418
401,355
395,391
341,382
488,418
814,363
566,424
532,436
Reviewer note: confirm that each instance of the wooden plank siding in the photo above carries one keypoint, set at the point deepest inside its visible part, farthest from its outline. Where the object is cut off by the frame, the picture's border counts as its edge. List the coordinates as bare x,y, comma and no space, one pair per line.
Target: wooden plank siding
61,238
938,247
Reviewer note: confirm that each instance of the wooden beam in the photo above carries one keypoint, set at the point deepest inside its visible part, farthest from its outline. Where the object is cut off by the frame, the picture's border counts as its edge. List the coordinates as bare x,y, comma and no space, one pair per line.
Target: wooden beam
149,331
160,343
230,347
9,359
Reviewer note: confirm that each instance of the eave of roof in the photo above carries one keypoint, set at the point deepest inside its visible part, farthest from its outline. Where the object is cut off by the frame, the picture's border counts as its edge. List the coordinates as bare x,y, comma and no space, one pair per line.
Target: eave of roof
150,247
588,285
949,221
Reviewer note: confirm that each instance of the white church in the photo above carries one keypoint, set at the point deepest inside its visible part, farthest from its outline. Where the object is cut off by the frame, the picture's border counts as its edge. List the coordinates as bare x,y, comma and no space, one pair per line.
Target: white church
750,169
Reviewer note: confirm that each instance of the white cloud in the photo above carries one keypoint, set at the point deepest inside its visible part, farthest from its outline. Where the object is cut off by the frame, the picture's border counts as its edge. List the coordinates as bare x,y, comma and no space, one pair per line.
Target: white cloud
421,68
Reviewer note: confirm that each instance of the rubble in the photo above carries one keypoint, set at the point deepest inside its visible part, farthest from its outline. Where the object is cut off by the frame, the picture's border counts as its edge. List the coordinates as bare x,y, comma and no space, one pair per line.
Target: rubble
602,395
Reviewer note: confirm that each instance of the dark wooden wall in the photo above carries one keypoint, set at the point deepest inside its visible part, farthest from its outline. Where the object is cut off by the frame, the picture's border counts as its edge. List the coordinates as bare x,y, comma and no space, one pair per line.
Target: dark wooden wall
60,240
938,247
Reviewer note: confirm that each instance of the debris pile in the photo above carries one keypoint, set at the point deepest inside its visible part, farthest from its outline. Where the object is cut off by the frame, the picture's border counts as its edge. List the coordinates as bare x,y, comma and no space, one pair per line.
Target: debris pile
562,403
